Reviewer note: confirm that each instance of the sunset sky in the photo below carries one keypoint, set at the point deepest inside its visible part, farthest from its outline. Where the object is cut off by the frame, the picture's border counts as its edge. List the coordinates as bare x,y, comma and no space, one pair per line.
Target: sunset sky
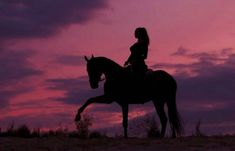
43,77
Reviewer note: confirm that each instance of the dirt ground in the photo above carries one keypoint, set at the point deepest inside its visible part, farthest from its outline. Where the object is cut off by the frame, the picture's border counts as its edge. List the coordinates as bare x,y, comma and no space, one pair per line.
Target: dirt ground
219,143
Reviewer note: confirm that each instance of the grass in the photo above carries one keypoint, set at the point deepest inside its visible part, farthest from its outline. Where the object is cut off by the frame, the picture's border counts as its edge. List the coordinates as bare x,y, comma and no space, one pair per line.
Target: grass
191,143
82,132
22,138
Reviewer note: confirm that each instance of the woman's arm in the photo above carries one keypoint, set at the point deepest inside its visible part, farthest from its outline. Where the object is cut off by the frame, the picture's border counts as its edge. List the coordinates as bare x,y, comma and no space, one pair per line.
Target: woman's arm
128,60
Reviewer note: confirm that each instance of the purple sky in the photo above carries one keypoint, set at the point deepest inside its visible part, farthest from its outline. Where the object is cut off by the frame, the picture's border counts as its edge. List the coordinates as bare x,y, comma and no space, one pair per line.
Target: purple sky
42,43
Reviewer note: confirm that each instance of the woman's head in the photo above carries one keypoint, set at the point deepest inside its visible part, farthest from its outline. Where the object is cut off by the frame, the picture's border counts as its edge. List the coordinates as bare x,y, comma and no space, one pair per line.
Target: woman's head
141,34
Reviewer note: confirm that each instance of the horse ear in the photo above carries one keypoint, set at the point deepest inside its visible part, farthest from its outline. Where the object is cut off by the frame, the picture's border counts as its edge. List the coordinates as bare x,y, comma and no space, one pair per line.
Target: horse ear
92,56
86,58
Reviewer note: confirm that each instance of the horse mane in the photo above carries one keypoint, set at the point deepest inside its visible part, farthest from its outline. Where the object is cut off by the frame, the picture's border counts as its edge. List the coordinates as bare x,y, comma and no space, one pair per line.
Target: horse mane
108,62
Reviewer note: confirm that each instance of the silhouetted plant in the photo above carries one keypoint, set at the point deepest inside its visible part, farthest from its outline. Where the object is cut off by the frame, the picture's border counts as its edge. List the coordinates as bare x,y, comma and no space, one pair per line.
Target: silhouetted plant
83,126
1,133
36,133
198,130
97,134
61,131
23,131
73,134
151,127
51,133
10,130
147,124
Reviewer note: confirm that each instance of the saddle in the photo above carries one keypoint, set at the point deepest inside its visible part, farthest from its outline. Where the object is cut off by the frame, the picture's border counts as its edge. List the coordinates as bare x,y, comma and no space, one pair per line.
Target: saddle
138,78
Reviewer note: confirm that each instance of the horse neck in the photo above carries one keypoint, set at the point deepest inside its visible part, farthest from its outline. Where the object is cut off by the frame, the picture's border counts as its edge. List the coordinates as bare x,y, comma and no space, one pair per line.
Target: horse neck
110,69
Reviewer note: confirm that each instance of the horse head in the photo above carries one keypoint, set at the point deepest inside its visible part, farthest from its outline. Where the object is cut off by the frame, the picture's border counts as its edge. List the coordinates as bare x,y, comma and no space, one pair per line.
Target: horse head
94,72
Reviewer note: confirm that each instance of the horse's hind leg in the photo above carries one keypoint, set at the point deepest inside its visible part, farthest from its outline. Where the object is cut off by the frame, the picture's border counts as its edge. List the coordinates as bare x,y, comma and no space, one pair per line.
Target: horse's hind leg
159,106
99,99
125,119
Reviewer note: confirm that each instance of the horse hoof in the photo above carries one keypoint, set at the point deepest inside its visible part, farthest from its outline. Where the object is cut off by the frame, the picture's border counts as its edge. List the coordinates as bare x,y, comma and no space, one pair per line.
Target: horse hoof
77,118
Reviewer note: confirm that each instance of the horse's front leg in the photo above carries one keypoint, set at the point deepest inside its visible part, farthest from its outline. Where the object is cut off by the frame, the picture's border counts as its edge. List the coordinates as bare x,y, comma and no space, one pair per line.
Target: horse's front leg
99,99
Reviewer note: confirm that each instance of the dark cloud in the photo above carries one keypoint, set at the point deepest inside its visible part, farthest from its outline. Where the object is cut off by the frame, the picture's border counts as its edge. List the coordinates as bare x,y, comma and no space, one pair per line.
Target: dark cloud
212,56
14,69
71,60
34,18
214,120
6,95
210,78
218,84
76,91
206,89
180,52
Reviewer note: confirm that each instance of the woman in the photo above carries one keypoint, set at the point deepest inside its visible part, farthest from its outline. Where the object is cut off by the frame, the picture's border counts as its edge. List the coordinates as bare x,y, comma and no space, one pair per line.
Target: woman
139,52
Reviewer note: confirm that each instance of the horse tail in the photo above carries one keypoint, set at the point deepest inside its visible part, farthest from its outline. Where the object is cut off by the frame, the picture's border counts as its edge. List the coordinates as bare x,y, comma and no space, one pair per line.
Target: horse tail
175,119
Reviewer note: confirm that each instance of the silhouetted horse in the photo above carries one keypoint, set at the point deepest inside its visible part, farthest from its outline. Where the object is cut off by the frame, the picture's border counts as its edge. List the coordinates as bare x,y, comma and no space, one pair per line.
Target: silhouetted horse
122,87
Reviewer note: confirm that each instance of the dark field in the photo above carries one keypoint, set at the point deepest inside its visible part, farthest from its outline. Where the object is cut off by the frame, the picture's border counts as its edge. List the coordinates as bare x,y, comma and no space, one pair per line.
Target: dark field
215,143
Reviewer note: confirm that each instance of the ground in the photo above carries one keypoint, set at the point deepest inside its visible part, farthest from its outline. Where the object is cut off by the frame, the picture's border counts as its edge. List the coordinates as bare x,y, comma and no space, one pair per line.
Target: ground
215,143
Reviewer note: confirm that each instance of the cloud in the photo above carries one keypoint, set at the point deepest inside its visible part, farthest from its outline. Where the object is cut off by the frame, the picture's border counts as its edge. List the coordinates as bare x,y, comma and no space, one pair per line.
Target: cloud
76,91
210,56
7,95
180,52
14,69
206,87
210,78
214,84
70,60
214,120
33,18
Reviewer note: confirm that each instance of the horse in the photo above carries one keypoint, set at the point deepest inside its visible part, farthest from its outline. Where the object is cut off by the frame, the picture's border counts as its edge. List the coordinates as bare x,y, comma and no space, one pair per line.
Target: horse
123,87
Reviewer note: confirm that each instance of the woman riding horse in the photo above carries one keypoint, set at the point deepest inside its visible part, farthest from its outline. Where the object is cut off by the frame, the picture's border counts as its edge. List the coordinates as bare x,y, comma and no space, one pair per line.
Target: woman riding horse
139,52
159,87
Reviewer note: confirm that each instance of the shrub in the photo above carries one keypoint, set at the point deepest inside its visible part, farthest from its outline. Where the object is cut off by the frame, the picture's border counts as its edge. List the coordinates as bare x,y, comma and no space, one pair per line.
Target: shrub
145,126
97,134
36,133
23,131
151,127
83,126
10,130
198,130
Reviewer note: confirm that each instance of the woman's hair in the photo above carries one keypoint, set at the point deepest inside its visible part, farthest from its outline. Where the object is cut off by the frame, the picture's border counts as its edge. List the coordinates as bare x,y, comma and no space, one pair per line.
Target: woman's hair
141,33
